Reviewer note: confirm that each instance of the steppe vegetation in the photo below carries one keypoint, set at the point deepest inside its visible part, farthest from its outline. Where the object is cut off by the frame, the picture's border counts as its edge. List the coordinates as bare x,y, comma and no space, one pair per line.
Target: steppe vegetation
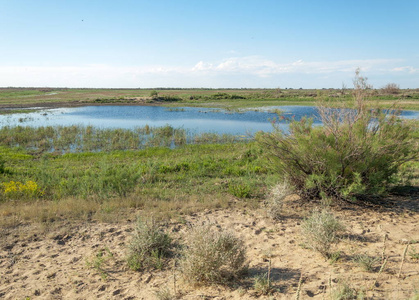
224,98
157,213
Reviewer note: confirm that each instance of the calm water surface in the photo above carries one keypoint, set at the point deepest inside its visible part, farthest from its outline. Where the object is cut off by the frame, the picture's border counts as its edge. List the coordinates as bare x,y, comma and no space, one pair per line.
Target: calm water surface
194,119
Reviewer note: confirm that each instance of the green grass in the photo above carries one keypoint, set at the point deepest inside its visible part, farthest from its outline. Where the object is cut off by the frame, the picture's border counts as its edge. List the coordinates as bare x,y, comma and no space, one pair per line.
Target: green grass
104,184
223,98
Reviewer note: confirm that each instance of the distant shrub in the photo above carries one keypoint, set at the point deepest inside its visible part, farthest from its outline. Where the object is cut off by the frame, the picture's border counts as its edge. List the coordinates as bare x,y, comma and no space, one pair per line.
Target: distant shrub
320,231
149,246
356,152
224,96
154,93
167,98
211,256
391,89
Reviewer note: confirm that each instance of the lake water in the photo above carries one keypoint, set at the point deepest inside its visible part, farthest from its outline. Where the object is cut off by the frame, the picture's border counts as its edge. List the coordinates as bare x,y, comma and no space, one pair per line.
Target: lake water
193,119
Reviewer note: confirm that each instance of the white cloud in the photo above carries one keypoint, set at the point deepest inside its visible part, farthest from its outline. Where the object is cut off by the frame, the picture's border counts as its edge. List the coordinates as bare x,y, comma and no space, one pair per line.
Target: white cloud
233,71
262,67
408,69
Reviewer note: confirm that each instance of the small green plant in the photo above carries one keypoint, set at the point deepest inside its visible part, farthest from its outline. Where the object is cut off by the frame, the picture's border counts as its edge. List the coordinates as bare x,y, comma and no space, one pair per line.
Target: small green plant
413,254
149,246
320,231
212,257
334,257
240,190
98,261
343,291
262,284
366,262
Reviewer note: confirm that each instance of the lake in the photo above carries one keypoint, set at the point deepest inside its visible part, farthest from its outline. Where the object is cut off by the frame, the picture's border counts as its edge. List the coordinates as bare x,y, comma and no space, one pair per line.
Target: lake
193,119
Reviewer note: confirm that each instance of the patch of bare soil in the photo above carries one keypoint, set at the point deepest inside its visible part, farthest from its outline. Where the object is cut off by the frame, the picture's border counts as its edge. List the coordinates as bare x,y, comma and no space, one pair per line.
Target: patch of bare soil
87,261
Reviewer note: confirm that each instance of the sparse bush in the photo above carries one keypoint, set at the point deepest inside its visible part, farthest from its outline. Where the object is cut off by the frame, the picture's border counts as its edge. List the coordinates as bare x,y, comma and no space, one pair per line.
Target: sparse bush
212,256
357,151
367,263
343,291
275,200
98,262
262,284
149,246
391,89
320,231
164,294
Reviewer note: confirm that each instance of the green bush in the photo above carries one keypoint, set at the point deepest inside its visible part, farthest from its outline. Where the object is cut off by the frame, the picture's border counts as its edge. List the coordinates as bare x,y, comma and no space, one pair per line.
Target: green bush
357,151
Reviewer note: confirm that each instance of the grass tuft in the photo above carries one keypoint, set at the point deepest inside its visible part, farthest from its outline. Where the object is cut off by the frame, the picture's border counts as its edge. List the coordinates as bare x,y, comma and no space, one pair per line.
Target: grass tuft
212,256
367,263
275,200
149,246
320,231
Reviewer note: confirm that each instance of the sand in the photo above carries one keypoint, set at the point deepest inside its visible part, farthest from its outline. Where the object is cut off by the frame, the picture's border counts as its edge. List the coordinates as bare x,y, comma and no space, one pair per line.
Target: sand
55,261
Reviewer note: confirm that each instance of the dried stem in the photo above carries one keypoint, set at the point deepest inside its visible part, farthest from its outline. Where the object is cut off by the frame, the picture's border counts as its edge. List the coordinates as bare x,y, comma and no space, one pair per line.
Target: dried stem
379,273
300,283
403,258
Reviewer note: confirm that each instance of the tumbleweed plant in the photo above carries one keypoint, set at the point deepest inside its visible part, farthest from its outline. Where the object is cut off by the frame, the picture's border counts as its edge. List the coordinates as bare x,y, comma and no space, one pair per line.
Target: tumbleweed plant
320,231
212,256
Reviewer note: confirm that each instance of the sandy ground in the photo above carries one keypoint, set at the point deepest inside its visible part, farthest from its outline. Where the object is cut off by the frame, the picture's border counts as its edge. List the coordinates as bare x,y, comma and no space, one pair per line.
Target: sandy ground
38,262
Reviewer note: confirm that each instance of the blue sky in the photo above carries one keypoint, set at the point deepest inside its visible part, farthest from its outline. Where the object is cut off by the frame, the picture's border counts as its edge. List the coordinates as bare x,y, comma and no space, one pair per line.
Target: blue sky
208,43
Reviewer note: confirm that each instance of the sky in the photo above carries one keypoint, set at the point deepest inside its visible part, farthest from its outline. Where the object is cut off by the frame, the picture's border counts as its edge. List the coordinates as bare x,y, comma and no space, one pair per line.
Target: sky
208,43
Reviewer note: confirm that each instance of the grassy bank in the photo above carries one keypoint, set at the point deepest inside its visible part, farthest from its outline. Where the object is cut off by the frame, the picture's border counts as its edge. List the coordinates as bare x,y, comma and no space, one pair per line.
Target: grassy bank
166,182
225,98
